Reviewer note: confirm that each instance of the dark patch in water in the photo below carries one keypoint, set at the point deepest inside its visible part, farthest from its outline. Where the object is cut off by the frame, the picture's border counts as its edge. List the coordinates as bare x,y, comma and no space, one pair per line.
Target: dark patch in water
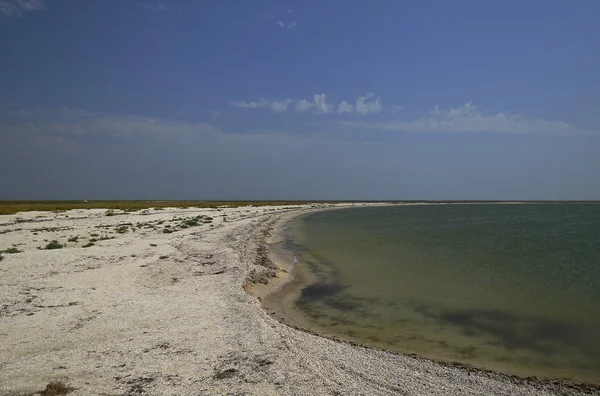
512,332
467,352
319,291
336,320
341,305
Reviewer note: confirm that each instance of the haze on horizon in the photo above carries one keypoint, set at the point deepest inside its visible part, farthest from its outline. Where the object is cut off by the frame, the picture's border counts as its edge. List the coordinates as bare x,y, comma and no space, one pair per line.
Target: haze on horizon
436,100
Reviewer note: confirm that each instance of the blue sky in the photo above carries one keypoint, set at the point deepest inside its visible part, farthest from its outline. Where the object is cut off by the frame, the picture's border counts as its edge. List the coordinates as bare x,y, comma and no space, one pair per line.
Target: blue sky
121,99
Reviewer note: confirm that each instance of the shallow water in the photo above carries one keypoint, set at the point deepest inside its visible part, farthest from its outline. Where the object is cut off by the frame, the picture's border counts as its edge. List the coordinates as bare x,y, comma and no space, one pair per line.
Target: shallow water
513,288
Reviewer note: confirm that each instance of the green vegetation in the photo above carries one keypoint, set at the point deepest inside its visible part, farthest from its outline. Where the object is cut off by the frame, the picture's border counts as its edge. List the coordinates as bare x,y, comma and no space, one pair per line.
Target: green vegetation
11,250
122,229
89,244
10,207
191,222
73,238
54,245
51,229
57,388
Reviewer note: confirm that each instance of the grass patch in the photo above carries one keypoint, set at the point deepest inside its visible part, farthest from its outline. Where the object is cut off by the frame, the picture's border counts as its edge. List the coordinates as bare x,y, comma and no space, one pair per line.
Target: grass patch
11,250
1,257
51,229
73,238
89,244
167,231
10,207
57,388
122,229
191,222
54,245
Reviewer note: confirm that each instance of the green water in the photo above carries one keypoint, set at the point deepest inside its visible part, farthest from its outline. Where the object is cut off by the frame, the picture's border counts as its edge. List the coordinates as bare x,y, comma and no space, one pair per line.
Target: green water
513,288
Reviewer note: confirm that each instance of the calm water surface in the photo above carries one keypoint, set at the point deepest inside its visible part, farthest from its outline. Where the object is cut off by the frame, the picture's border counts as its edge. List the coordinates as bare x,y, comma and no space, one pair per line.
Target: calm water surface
514,288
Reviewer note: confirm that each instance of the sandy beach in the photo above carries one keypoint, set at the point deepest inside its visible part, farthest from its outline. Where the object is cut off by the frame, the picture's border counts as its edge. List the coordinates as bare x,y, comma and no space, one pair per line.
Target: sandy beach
157,302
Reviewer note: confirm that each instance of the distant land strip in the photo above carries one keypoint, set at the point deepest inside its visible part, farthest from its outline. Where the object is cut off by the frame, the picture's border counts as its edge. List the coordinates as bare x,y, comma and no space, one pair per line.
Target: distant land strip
11,207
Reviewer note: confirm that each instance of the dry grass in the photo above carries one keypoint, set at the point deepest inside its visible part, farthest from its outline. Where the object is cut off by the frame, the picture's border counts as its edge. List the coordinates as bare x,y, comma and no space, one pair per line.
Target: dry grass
10,207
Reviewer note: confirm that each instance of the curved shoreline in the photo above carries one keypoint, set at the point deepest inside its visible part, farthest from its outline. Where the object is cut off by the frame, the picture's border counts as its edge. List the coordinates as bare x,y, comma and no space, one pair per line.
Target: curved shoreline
164,313
273,296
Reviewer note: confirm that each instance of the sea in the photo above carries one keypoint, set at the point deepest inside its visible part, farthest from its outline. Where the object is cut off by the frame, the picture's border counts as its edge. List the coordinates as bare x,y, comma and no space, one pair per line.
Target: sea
513,288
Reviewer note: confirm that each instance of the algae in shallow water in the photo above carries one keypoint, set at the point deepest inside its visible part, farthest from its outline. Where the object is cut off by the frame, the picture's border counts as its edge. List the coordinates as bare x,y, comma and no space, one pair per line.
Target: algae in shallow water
515,288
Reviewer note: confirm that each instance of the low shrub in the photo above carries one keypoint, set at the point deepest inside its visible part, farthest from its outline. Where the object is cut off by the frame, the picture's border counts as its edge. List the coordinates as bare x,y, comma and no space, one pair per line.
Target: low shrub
54,245
57,388
11,250
122,229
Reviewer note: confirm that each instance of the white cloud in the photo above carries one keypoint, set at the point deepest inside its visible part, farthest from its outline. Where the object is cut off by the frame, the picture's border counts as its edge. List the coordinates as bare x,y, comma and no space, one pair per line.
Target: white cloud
303,105
157,7
345,107
161,7
18,7
367,104
289,25
469,118
319,104
364,104
278,106
79,128
396,109
75,124
245,105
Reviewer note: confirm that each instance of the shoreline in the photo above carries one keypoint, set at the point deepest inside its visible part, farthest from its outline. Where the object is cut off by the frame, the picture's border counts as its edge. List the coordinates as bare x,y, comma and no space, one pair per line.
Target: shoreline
156,306
273,301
